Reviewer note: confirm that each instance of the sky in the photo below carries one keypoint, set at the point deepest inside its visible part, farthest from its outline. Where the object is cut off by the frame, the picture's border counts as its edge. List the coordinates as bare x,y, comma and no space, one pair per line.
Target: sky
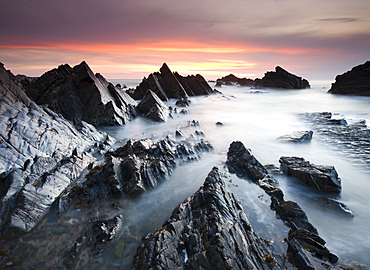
129,39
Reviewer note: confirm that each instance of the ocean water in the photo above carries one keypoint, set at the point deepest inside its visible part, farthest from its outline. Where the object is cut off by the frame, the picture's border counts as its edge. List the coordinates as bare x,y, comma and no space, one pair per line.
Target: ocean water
258,118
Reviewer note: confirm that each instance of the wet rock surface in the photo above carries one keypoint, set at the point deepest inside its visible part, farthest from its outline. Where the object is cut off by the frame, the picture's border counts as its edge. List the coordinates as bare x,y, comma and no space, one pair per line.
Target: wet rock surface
306,249
354,82
79,95
297,137
280,78
209,230
167,84
323,178
352,140
41,153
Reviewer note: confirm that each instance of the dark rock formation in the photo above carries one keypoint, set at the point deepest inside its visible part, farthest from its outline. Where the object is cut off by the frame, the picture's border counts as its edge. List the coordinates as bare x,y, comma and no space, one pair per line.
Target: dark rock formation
41,154
79,95
167,84
209,230
282,79
183,102
336,206
323,178
351,140
152,107
297,137
354,82
306,249
233,80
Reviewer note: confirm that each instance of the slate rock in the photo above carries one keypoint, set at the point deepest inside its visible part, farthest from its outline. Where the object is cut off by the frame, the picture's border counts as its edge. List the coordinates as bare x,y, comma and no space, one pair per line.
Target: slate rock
354,82
79,95
209,230
297,137
231,79
323,178
152,107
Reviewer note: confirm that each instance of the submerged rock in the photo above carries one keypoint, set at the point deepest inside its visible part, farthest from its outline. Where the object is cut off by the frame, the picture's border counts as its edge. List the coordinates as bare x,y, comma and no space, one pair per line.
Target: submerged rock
335,205
297,137
353,82
209,230
41,154
152,107
280,78
79,95
167,84
323,178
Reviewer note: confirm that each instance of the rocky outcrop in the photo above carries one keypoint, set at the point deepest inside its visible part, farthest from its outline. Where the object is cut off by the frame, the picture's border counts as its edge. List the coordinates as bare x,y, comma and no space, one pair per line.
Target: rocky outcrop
323,178
41,154
209,230
167,84
306,249
233,80
152,107
79,95
354,82
336,206
297,137
280,78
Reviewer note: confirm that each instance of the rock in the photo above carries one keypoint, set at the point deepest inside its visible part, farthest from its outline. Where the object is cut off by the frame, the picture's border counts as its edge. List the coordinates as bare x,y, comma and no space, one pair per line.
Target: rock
282,79
306,249
233,80
41,154
167,84
323,178
219,124
354,82
335,205
297,137
79,95
183,102
209,230
241,161
152,107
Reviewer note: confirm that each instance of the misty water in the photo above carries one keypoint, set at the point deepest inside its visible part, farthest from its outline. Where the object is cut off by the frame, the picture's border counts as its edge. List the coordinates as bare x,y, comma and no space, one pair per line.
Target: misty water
257,119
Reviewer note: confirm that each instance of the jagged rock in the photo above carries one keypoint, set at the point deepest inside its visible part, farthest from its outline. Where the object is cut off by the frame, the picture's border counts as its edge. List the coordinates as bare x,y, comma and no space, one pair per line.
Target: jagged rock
282,79
152,107
183,102
233,80
336,206
209,230
167,84
323,178
79,95
353,82
41,154
304,252
297,137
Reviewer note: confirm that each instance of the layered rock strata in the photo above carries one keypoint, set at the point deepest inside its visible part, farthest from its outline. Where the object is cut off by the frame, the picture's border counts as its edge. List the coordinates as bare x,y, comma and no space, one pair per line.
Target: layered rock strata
79,95
323,178
353,82
41,154
152,107
167,84
306,249
209,230
297,137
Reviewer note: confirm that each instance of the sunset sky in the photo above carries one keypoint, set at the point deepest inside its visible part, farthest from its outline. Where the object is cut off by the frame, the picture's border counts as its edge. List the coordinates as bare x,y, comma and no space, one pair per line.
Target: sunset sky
128,39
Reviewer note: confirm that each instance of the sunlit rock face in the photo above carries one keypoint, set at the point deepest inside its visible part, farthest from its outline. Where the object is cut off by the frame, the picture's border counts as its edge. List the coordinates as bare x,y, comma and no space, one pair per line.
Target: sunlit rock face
353,82
152,107
41,153
79,95
209,230
280,78
167,84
